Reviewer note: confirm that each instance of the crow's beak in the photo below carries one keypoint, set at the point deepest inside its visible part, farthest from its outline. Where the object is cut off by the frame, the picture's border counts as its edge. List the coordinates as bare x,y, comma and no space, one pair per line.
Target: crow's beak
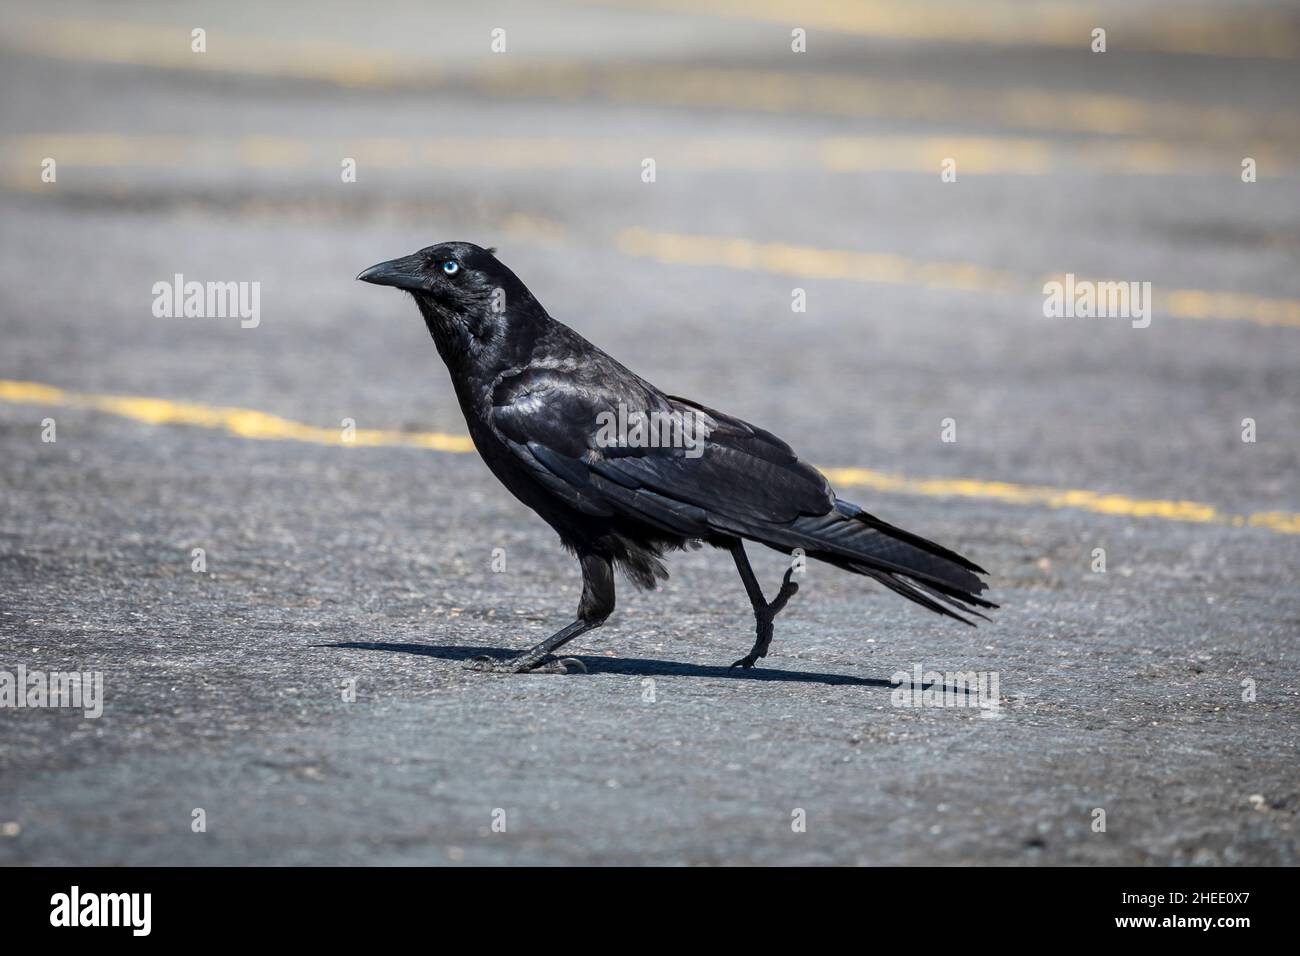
403,273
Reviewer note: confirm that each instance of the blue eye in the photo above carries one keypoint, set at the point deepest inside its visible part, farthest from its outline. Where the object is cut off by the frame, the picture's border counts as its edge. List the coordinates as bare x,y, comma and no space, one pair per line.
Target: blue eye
450,267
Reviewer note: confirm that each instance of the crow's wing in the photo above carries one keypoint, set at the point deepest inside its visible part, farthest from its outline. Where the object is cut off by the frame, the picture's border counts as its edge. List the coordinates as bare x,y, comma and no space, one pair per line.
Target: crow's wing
743,481
707,471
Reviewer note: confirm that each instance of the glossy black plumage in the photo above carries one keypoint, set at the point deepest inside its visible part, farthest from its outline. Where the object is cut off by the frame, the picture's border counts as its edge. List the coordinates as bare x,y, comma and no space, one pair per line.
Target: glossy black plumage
533,393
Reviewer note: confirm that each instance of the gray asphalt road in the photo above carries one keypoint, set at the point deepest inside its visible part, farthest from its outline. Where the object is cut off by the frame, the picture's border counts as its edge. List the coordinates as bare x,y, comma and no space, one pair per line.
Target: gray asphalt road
1162,691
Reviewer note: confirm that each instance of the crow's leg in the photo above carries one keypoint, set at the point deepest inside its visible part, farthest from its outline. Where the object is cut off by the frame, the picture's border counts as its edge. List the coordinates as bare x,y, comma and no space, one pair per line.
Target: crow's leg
597,604
764,613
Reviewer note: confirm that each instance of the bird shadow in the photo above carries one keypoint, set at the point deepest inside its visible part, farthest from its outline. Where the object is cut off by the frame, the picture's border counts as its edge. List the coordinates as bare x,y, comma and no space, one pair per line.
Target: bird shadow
629,666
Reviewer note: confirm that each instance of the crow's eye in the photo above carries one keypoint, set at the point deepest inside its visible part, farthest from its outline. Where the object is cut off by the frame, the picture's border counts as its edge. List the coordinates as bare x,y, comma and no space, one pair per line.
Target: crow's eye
450,267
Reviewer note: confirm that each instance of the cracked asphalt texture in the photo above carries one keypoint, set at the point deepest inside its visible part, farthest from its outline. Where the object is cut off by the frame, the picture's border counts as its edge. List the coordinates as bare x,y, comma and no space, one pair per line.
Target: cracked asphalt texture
224,690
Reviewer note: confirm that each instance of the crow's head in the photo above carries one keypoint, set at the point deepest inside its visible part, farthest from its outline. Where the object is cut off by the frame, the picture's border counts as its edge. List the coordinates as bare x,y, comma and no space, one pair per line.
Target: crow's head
470,301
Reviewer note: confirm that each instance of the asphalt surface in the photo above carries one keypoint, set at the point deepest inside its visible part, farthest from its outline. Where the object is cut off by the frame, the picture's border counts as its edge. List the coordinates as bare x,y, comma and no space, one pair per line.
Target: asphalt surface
373,567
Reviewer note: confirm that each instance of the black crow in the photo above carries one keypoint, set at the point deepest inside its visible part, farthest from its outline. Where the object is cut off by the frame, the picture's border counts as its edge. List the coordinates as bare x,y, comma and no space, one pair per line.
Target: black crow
624,472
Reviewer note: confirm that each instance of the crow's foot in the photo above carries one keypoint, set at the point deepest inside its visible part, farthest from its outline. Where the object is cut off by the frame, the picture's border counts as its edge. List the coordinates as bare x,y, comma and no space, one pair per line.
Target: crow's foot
526,665
764,616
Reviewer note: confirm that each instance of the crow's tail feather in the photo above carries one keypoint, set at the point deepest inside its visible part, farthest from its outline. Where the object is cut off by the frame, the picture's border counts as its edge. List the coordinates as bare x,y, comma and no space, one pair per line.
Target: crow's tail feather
919,570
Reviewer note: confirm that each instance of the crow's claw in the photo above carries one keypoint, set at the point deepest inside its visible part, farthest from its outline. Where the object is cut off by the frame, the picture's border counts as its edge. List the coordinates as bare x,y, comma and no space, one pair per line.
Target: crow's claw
560,665
517,665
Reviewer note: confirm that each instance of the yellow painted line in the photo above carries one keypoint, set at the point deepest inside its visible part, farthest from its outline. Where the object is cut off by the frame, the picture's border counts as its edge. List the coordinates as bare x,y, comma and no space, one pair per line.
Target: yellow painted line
247,423
243,422
811,262
768,90
854,95
779,258
1199,304
974,155
819,263
1286,522
145,44
1030,156
1171,28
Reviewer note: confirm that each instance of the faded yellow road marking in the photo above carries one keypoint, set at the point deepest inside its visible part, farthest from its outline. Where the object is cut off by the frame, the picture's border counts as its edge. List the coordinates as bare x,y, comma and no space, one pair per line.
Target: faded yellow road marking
247,423
833,94
820,263
780,258
1173,29
1286,522
244,422
974,155
146,44
812,262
